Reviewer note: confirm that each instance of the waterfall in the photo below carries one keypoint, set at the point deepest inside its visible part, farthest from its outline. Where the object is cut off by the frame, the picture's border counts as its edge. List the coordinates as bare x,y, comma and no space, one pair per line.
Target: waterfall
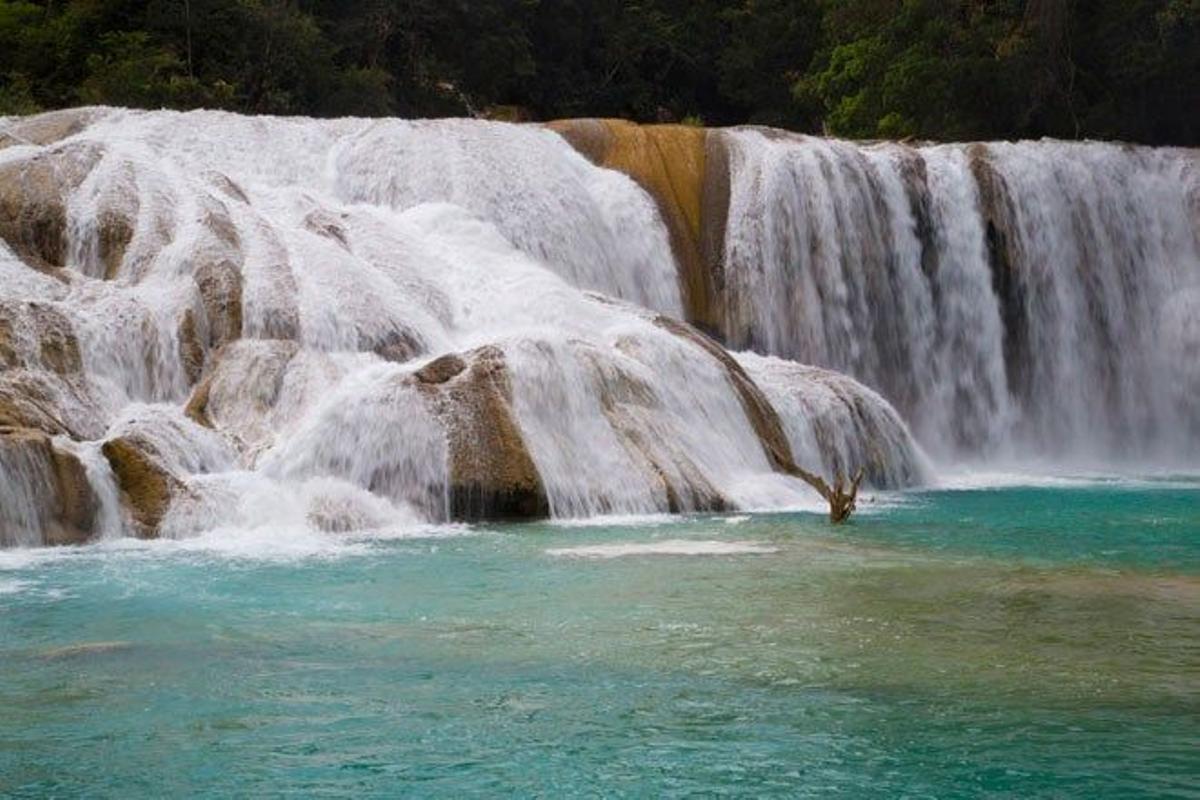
275,327
292,327
1013,300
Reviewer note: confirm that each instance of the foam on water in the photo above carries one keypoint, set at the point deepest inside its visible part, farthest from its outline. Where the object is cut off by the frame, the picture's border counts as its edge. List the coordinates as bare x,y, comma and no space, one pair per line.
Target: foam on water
666,547
14,586
972,478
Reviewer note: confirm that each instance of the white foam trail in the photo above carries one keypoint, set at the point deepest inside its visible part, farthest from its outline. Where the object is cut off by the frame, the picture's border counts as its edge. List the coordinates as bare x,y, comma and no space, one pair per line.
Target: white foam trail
14,587
968,479
667,547
620,521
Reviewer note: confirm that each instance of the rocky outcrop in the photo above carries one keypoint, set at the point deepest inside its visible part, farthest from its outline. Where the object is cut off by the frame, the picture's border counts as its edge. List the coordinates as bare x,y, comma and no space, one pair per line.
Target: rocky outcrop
632,407
1004,254
396,345
49,498
147,485
48,128
37,336
43,401
114,231
239,394
33,196
492,475
685,169
191,350
218,276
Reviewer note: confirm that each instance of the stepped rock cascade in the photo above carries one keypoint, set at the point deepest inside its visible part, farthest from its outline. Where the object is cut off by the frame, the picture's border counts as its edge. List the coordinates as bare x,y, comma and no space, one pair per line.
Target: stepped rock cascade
214,324
1036,299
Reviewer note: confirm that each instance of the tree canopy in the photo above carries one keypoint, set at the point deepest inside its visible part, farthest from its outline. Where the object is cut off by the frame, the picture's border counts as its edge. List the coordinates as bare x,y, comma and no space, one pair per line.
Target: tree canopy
933,69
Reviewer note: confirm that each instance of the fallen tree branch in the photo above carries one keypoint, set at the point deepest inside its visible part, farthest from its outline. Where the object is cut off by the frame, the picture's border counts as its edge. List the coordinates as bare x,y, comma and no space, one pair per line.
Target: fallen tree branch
842,498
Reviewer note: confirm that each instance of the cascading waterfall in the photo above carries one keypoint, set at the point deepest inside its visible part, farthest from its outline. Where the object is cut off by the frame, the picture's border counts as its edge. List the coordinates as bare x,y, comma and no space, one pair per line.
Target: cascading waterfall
1013,300
270,327
288,327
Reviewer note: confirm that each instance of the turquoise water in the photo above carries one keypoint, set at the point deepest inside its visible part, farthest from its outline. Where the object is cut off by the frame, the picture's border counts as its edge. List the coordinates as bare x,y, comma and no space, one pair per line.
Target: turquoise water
1012,642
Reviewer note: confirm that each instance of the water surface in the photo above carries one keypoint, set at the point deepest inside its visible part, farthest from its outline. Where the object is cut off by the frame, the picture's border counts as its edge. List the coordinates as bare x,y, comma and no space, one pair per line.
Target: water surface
1006,642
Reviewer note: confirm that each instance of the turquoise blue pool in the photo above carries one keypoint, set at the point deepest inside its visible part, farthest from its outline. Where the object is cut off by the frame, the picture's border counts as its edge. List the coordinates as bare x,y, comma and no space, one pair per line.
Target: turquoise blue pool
1016,642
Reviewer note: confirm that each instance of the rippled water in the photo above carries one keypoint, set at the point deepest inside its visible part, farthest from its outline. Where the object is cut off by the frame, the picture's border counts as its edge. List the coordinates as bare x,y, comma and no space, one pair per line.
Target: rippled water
1014,642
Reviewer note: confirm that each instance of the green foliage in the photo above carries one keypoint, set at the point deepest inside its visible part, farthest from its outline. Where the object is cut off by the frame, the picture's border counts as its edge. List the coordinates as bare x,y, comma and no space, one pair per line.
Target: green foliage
16,95
938,69
128,69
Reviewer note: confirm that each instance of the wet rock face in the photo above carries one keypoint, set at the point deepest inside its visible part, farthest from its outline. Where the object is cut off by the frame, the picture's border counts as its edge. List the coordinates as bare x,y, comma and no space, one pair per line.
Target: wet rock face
37,336
492,475
50,500
48,128
33,193
220,285
441,369
628,402
239,393
115,231
191,350
762,415
836,425
147,486
685,170
43,401
1004,256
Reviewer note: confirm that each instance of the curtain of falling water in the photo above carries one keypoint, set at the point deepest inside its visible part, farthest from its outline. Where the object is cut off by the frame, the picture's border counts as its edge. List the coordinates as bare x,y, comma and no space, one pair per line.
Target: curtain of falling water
1032,299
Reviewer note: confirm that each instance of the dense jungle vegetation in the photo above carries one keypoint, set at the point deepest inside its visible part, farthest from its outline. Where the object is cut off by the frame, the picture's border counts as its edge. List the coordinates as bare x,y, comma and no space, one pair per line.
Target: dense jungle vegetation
938,69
